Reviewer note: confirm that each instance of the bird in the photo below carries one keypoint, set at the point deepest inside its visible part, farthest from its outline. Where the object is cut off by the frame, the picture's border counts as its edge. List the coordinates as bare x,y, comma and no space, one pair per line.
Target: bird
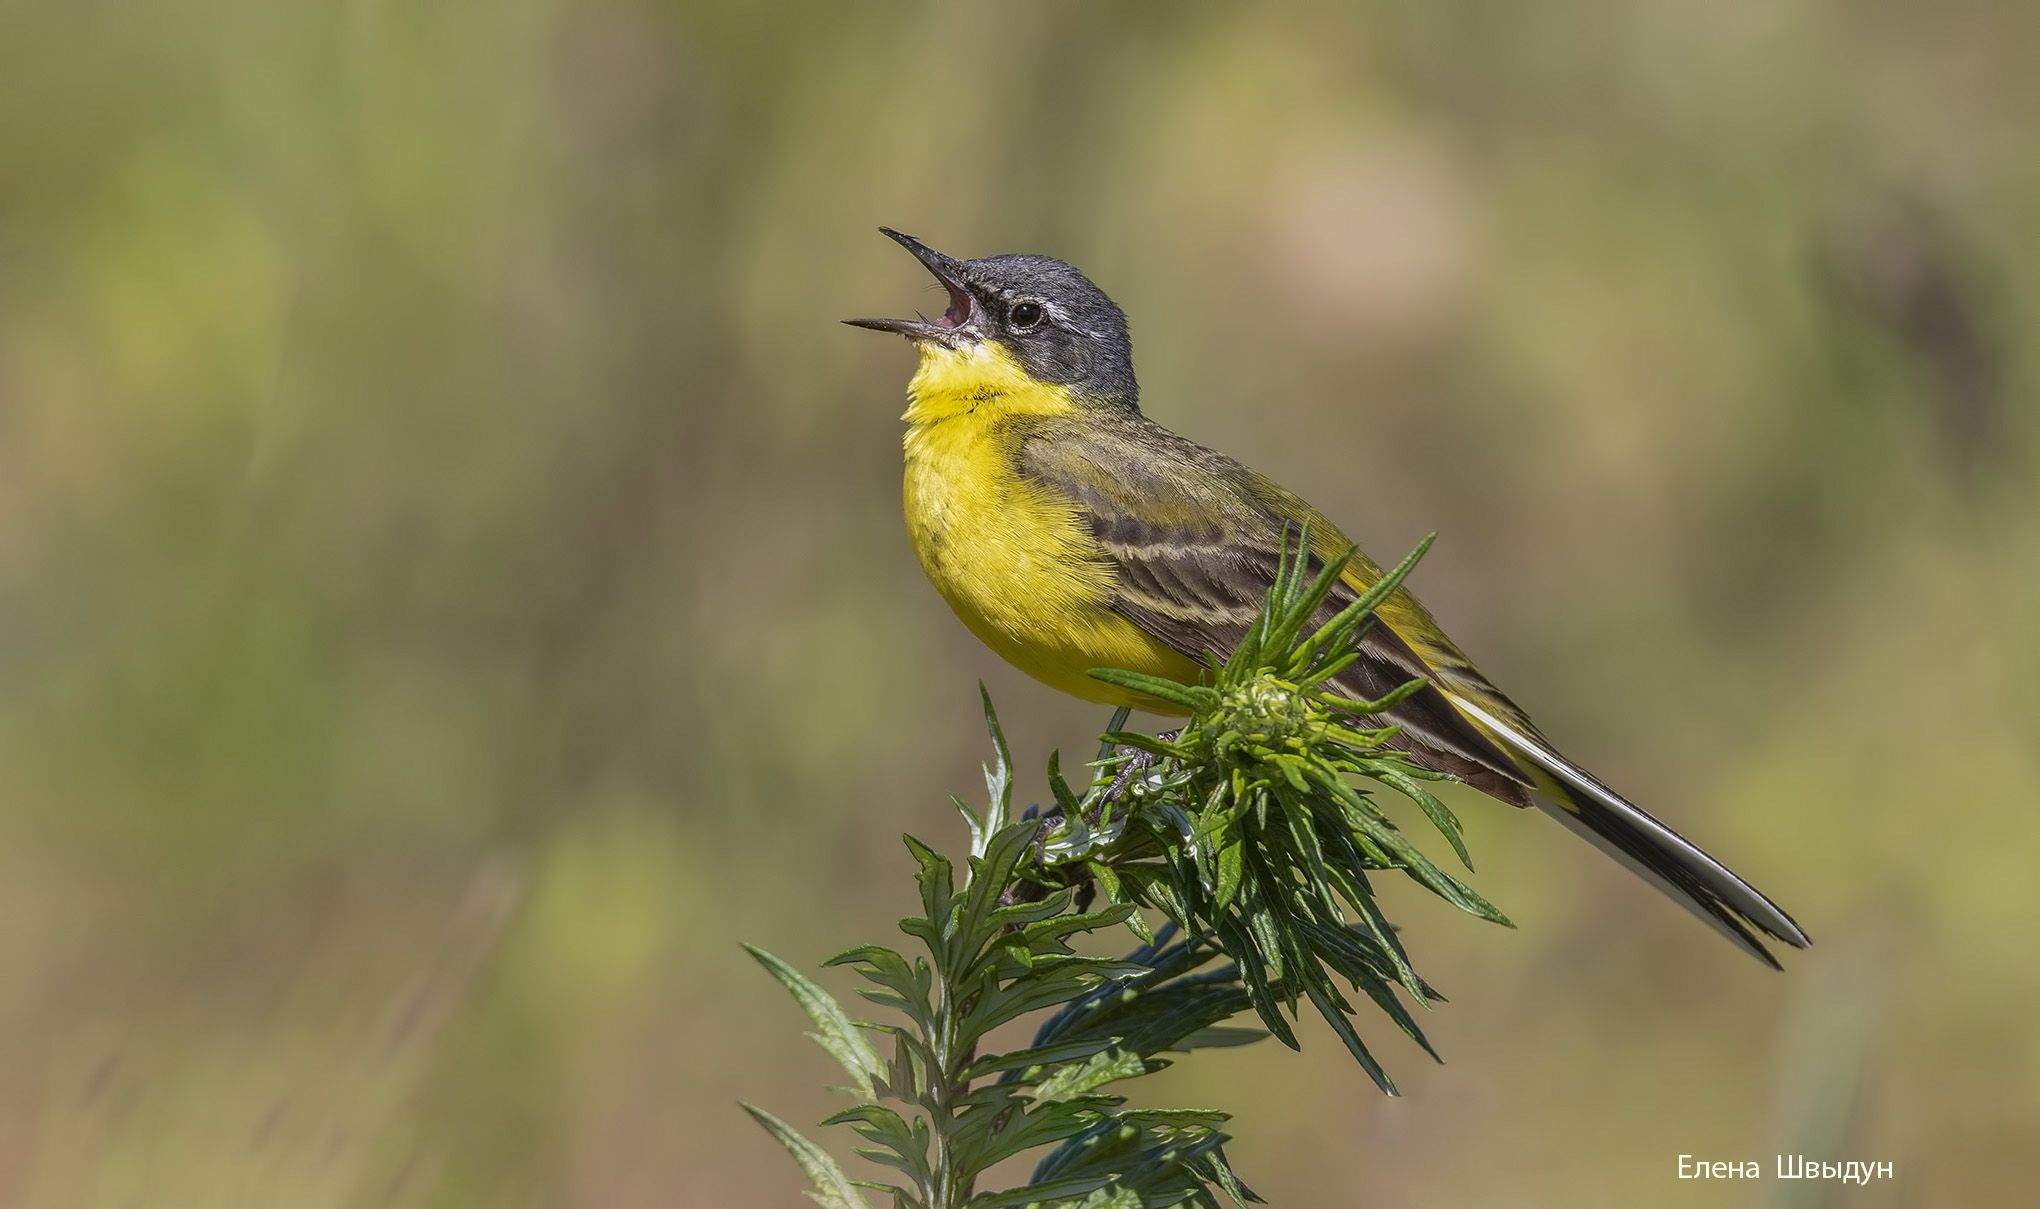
1069,531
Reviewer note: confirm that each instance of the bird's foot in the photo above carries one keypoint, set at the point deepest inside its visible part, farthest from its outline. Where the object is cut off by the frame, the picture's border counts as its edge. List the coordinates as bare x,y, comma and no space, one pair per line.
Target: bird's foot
1135,769
1131,773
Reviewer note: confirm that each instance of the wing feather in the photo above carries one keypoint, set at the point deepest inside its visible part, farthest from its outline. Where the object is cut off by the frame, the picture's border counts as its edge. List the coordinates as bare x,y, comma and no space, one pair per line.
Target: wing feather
1196,540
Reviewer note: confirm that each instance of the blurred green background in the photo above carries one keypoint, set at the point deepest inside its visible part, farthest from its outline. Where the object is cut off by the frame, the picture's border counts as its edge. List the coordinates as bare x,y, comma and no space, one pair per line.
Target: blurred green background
453,587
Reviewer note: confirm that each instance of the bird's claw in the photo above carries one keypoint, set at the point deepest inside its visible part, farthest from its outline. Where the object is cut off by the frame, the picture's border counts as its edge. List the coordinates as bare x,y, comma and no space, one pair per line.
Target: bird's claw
1138,761
1131,773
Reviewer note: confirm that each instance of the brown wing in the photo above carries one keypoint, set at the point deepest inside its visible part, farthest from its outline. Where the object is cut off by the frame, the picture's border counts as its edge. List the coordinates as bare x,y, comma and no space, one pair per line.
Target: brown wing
1196,541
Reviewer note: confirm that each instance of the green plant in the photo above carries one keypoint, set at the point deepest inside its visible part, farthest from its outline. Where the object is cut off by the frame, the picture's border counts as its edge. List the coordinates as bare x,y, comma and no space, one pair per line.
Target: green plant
1244,831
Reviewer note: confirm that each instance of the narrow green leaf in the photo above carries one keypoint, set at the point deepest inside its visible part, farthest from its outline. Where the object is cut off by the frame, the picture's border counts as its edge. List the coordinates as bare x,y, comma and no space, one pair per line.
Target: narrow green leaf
1337,632
1381,704
1300,603
1065,797
1231,864
999,776
1146,743
1190,697
1440,815
1221,1037
1336,1014
1215,1168
979,828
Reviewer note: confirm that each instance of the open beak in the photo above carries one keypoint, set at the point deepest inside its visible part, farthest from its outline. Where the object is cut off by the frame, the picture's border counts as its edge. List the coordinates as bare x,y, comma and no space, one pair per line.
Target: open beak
961,323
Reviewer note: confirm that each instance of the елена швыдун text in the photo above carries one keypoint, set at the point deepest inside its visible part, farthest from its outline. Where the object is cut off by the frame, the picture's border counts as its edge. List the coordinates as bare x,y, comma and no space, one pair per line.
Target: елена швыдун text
1788,1167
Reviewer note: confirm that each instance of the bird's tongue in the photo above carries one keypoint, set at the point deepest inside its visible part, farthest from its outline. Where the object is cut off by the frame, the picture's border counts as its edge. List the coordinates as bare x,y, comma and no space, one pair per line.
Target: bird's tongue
959,306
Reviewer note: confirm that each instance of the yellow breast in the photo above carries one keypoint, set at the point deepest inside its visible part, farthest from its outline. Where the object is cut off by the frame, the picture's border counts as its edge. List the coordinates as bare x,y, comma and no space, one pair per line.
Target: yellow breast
1013,559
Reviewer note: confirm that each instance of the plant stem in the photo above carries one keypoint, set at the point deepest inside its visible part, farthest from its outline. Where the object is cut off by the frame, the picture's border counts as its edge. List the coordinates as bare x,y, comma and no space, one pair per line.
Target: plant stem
941,1091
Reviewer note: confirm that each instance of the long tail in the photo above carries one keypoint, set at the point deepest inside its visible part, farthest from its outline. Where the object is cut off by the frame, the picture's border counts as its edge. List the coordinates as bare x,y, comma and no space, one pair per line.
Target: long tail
1653,851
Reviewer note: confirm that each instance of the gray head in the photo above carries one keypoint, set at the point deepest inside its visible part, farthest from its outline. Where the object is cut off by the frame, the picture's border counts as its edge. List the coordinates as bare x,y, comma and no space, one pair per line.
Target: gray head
1044,312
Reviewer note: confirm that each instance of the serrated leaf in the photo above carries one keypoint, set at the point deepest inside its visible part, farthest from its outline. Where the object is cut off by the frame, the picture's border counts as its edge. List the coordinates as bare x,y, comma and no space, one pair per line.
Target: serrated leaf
834,1031
989,1133
1060,926
938,887
910,985
906,1149
832,1189
1216,1169
990,875
1021,915
1083,1078
902,1198
1061,1193
1038,1055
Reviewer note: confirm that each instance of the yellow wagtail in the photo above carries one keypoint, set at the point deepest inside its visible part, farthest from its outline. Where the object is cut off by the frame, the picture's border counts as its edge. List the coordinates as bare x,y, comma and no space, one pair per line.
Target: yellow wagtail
1071,532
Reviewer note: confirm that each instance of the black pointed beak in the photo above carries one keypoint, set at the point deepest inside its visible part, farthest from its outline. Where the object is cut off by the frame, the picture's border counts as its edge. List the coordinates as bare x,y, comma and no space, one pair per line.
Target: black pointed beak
961,322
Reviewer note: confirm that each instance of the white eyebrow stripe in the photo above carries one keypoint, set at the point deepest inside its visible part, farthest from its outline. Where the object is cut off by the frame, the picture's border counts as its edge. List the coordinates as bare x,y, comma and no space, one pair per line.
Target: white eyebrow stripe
1062,316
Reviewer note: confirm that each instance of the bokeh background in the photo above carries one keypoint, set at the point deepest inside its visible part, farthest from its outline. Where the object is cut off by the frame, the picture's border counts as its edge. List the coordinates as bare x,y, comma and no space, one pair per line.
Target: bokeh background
452,591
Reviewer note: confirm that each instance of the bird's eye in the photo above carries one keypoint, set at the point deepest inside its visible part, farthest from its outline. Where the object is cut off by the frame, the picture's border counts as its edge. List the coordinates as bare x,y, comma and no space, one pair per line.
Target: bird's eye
1025,316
